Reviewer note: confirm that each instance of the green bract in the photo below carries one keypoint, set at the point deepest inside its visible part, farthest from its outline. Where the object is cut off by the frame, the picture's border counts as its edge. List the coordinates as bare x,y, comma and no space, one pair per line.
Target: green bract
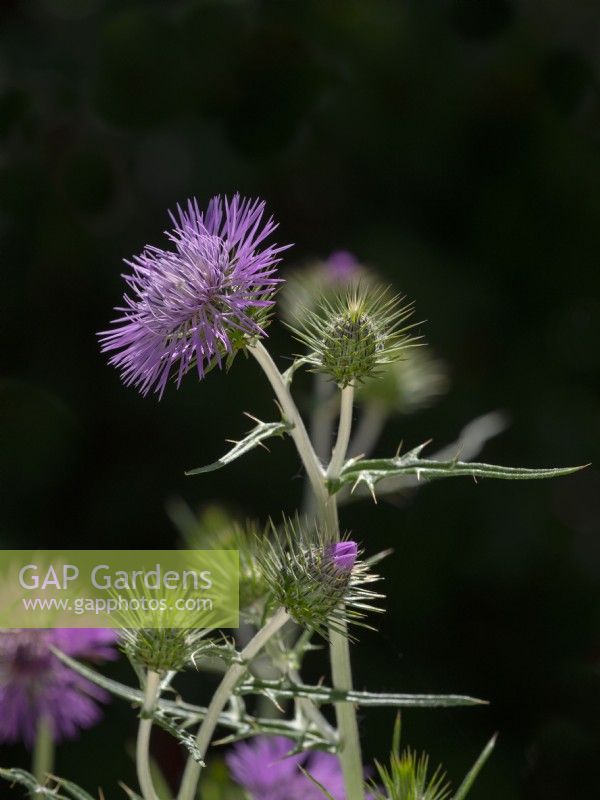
351,337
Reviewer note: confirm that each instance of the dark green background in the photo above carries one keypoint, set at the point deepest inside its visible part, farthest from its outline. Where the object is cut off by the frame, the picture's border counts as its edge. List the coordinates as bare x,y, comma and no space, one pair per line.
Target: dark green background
453,144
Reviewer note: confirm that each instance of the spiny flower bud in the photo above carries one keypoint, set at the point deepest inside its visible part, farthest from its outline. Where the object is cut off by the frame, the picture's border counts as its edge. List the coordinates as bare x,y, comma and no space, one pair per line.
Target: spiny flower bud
155,633
319,583
353,336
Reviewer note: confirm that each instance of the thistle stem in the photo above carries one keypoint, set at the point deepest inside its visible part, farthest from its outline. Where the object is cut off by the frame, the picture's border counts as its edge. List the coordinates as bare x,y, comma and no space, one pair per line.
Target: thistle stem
220,698
151,693
350,752
43,750
298,432
339,650
343,434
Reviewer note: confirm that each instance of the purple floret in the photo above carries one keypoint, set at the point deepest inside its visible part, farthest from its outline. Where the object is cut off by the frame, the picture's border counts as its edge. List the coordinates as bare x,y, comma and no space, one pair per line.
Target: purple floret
344,554
35,685
191,305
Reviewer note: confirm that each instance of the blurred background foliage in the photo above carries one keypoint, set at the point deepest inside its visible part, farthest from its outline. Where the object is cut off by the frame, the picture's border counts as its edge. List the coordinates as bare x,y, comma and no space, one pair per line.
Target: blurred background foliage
454,145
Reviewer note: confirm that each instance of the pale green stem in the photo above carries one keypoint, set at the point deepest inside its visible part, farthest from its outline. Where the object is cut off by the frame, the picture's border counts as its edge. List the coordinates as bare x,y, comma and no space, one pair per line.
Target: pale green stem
43,750
350,752
151,693
191,775
292,416
339,648
321,427
343,434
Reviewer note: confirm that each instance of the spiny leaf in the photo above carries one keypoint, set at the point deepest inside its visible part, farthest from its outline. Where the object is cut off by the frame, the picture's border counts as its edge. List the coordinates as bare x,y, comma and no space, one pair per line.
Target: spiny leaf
168,724
288,375
284,689
371,471
469,780
49,790
262,431
241,724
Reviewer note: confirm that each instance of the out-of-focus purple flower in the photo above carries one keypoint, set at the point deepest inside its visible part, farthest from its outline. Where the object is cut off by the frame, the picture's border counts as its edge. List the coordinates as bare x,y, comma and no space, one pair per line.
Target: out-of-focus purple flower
342,266
194,304
35,685
344,555
266,771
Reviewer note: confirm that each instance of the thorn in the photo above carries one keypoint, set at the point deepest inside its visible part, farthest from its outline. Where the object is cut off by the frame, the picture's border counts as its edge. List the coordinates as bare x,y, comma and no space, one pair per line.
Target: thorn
475,479
372,490
264,446
252,417
398,451
232,441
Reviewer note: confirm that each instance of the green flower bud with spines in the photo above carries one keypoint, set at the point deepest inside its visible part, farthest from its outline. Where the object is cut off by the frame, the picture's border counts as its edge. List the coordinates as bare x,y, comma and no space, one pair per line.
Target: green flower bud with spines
352,337
155,633
311,582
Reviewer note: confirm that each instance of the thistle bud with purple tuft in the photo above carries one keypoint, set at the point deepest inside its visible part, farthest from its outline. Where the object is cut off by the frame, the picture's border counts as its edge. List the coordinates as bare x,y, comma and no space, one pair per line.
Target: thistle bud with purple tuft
320,584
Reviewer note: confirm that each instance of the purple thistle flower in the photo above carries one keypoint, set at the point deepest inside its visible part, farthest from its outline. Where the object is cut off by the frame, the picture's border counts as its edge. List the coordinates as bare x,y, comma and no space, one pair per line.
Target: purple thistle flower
35,685
266,771
195,303
344,554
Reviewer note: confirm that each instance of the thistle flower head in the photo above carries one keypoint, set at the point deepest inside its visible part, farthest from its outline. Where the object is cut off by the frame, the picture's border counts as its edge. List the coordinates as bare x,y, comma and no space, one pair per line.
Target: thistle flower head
311,577
200,301
268,769
352,337
156,632
35,685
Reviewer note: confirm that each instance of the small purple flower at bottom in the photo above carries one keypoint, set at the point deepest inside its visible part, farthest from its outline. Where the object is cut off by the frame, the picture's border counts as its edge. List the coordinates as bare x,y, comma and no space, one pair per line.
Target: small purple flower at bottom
35,685
344,554
266,771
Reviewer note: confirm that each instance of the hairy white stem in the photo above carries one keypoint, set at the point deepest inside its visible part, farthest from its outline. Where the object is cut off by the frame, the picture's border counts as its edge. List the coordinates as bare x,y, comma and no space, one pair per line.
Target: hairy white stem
191,775
151,693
